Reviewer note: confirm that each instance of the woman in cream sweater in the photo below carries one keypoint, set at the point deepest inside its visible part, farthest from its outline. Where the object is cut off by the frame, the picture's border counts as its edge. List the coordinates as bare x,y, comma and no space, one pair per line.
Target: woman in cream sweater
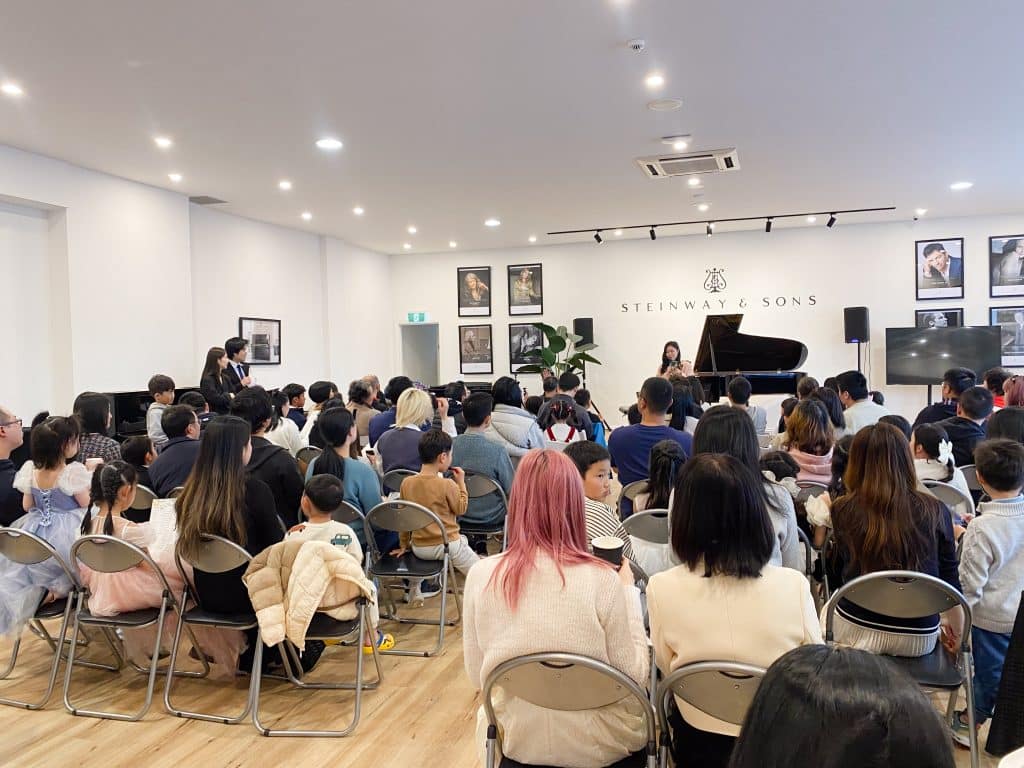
724,602
545,593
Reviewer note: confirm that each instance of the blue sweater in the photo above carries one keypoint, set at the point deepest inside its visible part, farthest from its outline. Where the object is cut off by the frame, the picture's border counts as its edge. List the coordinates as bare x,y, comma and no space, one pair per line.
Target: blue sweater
380,424
362,490
475,453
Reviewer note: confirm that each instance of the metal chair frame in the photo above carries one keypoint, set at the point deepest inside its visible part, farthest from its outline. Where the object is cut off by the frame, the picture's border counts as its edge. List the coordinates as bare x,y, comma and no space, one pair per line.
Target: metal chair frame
391,482
478,486
949,495
348,513
630,492
650,525
970,473
176,492
308,453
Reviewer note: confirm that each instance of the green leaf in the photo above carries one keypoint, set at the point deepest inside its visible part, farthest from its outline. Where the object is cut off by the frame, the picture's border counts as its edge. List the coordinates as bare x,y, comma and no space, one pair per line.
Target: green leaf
556,344
549,332
584,347
575,339
529,369
548,357
563,331
583,357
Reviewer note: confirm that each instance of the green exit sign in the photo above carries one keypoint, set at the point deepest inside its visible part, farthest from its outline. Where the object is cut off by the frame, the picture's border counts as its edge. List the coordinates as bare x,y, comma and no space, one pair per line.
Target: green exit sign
416,317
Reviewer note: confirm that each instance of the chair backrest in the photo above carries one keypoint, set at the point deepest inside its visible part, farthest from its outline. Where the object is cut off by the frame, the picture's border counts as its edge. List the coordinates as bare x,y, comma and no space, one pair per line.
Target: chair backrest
949,495
348,513
307,454
971,476
764,440
808,548
28,549
216,555
176,492
722,689
392,481
108,554
401,516
144,498
632,490
650,525
809,490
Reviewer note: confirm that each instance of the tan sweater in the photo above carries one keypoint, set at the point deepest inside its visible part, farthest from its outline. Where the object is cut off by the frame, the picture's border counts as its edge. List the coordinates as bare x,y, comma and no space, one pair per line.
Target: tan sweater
445,498
722,618
591,614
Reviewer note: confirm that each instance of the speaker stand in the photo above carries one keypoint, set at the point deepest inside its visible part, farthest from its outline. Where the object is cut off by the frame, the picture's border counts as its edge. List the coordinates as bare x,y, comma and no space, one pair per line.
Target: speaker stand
859,370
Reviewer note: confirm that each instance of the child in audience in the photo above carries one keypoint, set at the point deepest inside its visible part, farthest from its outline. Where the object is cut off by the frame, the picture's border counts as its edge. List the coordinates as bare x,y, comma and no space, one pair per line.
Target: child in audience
992,572
780,467
324,495
162,389
583,400
320,392
199,405
282,430
296,394
139,452
55,492
561,433
819,508
446,498
933,460
667,457
595,467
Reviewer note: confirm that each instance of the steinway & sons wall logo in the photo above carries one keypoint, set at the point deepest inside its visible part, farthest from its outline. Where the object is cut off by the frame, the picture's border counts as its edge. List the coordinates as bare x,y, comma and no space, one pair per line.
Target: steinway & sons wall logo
715,282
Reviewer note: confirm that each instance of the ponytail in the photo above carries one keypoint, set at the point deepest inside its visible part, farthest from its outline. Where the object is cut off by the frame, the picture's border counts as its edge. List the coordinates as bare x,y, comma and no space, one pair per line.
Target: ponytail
335,426
107,482
934,441
666,458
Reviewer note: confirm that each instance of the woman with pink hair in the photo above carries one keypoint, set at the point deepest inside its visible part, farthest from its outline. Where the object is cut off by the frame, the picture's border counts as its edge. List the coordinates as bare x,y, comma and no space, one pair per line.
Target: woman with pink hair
547,593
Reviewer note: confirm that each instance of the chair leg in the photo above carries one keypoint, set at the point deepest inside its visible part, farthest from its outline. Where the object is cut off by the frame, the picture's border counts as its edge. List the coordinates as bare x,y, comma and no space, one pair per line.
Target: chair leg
54,664
447,570
171,673
968,673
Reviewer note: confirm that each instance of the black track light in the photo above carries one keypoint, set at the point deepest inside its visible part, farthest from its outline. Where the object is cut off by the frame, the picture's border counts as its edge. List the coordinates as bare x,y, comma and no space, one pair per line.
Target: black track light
653,236
831,221
597,236
709,229
768,224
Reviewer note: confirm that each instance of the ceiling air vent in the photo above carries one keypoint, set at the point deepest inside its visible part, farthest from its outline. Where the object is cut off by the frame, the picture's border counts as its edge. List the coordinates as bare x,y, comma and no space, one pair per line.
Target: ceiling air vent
665,166
206,200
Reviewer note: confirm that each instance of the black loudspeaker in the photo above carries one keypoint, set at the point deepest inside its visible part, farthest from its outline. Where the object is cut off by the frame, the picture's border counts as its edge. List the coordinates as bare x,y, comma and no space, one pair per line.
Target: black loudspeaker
856,325
584,326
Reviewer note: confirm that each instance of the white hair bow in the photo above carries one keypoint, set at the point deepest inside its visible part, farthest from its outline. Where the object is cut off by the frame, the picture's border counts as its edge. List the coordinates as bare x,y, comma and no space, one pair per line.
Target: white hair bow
945,451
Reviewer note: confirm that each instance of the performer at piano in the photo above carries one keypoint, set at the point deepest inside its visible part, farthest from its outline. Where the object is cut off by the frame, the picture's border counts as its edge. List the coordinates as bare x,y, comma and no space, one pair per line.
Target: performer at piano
671,358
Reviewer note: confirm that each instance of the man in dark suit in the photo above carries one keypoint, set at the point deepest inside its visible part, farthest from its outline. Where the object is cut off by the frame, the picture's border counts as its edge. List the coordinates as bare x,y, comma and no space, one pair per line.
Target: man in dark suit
236,375
174,464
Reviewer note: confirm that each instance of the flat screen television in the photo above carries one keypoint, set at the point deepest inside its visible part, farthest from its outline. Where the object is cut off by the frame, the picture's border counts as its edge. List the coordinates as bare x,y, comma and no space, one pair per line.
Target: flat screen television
922,355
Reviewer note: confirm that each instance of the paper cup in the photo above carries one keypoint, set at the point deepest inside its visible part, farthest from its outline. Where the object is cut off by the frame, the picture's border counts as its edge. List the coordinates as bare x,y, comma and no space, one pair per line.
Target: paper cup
608,548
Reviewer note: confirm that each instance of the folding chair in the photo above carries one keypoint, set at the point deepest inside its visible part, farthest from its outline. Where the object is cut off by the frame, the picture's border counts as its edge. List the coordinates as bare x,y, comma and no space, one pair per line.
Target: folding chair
722,689
305,456
911,595
958,502
650,525
349,514
176,492
139,510
630,492
107,554
1014,759
563,682
392,481
764,441
971,476
28,549
478,486
406,517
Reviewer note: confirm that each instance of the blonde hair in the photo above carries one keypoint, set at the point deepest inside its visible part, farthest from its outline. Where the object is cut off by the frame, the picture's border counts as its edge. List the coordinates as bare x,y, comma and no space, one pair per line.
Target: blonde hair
413,409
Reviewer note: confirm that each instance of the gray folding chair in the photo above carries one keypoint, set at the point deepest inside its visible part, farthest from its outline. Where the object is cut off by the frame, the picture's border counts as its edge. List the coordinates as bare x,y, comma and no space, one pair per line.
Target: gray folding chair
650,525
764,441
721,689
306,455
392,481
478,486
630,492
912,595
971,476
142,504
563,682
958,502
176,492
809,488
406,517
348,514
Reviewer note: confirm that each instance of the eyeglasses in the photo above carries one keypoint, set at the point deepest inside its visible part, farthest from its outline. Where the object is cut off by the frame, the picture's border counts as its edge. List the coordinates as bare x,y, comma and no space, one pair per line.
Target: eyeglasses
12,423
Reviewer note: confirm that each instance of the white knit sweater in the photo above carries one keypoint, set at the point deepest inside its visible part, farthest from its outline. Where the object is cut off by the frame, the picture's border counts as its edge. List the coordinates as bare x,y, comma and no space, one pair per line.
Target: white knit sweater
992,564
591,614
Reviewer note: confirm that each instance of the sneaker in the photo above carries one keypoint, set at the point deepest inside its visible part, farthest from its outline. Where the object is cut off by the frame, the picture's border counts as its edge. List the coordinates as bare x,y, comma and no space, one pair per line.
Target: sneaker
960,730
310,656
424,590
385,642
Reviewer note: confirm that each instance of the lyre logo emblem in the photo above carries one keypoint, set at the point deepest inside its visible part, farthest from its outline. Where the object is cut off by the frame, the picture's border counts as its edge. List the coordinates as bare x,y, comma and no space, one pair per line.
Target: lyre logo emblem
715,282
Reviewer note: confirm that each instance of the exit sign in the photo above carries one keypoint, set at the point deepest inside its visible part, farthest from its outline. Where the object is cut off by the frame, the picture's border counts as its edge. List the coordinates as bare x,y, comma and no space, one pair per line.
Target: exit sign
416,317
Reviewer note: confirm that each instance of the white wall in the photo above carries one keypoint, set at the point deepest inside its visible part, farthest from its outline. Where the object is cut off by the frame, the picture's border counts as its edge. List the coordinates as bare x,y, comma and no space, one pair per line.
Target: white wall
868,264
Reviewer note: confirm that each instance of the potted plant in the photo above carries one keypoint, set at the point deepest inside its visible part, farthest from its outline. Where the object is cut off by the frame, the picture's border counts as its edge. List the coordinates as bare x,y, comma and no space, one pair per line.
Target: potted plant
561,352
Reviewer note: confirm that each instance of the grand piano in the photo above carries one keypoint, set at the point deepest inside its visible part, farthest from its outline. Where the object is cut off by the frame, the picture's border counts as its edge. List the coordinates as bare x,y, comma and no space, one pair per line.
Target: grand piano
724,353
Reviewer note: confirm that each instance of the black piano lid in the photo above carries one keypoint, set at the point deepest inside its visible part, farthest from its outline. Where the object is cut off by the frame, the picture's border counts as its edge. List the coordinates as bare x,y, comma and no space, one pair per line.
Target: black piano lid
735,351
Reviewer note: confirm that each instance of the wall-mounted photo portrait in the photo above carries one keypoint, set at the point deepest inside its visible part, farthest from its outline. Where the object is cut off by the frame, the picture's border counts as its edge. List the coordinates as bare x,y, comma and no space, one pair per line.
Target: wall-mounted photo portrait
474,291
1006,266
939,318
525,289
1011,320
939,267
476,354
522,338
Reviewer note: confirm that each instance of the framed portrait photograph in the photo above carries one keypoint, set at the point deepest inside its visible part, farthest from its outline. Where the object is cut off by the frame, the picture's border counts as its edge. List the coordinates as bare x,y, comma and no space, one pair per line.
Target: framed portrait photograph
522,337
939,268
476,353
264,337
474,291
939,318
1006,266
1011,320
525,289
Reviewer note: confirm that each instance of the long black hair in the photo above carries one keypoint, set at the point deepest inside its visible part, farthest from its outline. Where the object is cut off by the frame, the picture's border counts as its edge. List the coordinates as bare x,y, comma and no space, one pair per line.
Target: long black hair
666,458
107,482
665,362
316,437
335,425
929,437
93,411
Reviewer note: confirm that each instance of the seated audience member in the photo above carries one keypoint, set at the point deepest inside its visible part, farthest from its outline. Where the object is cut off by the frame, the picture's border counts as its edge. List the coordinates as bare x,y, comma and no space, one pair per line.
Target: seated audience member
514,599
882,523
806,387
445,497
362,487
360,403
834,409
992,571
236,374
778,466
319,392
895,420
568,385
512,427
933,457
728,430
630,447
819,508
11,437
175,462
739,607
161,388
93,413
379,403
296,394
283,431
786,408
1006,423
199,405
1013,391
840,707
139,452
832,382
399,446
877,397
968,426
533,404
684,413
382,422
584,401
455,393
271,463
666,459
475,453
560,432
633,415
549,386
809,440
697,390
859,409
315,438
955,382
994,379
213,383
738,393
595,468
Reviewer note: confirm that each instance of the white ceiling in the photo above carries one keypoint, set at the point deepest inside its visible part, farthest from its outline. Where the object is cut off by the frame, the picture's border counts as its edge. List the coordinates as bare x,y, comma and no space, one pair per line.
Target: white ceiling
532,111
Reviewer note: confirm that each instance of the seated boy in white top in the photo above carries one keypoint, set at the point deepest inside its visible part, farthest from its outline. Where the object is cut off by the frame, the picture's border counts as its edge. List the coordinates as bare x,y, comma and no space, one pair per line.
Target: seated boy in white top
162,389
324,495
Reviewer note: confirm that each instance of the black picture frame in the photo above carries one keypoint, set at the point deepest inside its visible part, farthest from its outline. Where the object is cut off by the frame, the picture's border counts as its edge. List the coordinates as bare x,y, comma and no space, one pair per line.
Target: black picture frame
479,359
998,286
525,300
936,288
468,305
952,318
1012,351
264,340
516,344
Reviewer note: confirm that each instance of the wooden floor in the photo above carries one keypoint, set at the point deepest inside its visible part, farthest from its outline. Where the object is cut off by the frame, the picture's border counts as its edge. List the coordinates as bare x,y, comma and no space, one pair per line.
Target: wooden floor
423,715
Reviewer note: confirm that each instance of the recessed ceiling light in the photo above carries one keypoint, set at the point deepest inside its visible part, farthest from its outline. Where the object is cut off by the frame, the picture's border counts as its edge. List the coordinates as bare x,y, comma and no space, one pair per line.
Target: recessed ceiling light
411,230
492,222
175,177
407,246
811,219
679,145
532,238
665,105
307,216
693,181
12,89
284,185
654,81
618,233
956,186
452,244
678,142
163,142
358,210
920,211
329,143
